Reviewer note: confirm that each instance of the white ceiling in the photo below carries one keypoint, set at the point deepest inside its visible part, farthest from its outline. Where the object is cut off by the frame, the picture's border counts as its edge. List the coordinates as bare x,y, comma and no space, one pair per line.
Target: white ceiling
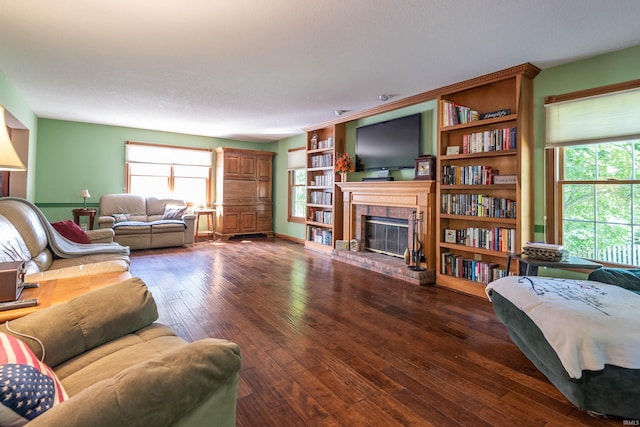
259,70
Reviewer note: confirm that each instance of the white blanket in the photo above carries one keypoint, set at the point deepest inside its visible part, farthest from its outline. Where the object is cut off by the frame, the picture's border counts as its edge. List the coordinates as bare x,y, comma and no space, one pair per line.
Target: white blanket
588,324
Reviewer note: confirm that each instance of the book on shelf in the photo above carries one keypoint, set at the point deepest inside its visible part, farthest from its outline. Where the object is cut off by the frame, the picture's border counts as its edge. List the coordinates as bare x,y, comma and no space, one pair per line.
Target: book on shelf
468,175
479,205
500,239
455,265
454,113
489,140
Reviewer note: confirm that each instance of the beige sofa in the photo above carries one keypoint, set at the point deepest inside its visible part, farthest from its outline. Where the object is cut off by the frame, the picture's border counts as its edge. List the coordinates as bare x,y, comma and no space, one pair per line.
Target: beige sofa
119,368
146,222
26,235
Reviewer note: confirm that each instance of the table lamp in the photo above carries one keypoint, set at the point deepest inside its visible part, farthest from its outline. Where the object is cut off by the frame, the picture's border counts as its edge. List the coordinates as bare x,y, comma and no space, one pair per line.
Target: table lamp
85,194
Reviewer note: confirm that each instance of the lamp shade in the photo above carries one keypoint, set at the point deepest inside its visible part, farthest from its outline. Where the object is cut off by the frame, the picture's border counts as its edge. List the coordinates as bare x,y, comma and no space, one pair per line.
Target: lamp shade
9,160
85,193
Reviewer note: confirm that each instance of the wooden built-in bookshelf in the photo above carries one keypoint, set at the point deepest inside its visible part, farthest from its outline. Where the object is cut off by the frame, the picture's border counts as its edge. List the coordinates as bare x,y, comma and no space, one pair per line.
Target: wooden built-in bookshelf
474,213
323,207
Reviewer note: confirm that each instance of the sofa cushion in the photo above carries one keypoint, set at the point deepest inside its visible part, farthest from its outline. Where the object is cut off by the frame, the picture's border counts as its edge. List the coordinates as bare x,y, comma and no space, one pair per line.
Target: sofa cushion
168,226
174,212
132,227
29,387
89,320
109,359
71,231
121,217
12,246
628,278
28,224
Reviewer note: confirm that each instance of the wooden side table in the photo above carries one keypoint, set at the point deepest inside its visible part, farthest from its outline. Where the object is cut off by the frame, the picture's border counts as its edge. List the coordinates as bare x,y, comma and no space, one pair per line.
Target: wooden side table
52,292
90,212
529,266
211,223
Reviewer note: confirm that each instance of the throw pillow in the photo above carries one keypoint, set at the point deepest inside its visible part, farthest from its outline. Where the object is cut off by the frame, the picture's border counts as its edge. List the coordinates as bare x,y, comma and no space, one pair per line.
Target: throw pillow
121,217
174,212
29,387
71,231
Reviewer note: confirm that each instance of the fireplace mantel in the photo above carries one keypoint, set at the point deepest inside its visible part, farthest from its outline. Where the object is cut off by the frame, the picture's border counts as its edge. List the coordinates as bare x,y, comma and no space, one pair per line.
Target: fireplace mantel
418,195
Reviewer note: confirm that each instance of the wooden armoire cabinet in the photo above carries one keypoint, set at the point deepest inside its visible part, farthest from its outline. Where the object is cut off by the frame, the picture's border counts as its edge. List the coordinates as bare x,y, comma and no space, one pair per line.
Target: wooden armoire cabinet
243,192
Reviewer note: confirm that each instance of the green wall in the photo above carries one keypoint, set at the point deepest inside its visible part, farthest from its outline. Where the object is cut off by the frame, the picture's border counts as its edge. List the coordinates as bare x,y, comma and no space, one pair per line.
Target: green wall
429,112
72,156
281,188
602,70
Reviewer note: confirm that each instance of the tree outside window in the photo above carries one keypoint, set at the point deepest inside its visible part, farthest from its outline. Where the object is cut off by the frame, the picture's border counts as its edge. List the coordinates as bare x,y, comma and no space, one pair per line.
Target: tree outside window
600,193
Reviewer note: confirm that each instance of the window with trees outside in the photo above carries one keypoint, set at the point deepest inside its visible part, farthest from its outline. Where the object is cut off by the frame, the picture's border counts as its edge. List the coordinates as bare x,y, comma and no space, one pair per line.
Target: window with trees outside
296,164
169,172
596,139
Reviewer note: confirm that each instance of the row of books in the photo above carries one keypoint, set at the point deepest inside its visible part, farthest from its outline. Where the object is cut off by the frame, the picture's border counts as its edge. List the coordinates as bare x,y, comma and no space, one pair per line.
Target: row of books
325,217
470,269
468,175
321,160
325,180
496,239
478,205
489,140
324,143
454,113
321,198
319,235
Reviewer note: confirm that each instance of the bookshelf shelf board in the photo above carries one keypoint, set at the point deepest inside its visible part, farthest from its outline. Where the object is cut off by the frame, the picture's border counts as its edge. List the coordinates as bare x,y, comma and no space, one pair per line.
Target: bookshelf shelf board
473,250
483,154
482,123
470,218
475,187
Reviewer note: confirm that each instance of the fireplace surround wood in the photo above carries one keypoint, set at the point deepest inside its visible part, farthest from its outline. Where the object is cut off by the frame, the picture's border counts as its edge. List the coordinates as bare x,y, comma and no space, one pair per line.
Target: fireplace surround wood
393,199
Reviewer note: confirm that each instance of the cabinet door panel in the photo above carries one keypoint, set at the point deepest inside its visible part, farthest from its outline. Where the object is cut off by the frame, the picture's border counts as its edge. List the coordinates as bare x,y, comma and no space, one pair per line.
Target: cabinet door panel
230,222
248,167
247,221
239,191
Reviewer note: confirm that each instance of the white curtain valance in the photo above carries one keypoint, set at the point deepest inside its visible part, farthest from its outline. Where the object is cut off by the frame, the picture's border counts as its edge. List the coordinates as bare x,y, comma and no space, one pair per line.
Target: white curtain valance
600,118
296,159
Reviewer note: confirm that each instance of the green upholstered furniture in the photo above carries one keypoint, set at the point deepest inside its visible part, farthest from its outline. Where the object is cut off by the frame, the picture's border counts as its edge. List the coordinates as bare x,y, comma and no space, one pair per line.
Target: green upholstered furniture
119,368
610,390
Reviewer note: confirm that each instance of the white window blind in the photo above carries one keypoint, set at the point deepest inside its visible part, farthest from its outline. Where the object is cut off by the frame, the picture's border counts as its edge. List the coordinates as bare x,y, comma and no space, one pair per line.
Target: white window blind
610,117
296,159
166,155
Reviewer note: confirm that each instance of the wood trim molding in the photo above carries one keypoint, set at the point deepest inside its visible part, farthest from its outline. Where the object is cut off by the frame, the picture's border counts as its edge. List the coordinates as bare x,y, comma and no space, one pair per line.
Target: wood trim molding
616,87
527,69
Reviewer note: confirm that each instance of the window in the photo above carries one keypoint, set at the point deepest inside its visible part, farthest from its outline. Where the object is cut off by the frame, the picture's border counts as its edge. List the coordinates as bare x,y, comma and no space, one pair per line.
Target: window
297,185
169,172
595,144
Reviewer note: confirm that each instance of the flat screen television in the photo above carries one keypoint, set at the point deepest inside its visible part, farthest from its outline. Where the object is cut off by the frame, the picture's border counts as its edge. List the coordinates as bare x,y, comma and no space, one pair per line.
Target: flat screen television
391,145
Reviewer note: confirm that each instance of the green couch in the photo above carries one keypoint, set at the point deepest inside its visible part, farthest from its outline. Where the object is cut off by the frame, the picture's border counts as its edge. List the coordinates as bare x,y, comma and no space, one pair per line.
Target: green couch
119,368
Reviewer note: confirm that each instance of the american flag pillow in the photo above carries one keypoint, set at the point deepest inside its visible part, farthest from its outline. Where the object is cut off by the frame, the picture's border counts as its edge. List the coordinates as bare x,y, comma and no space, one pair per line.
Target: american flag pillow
28,387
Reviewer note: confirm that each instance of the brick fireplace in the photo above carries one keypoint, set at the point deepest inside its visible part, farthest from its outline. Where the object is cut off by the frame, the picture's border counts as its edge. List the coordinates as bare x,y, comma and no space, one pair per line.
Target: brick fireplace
394,200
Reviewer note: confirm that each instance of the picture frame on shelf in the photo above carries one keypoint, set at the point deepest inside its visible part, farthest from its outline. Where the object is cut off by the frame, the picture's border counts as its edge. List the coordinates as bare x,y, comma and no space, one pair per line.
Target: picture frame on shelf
425,167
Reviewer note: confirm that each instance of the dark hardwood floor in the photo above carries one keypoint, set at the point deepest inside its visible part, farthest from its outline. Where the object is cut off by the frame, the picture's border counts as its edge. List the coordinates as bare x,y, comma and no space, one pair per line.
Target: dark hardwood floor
328,344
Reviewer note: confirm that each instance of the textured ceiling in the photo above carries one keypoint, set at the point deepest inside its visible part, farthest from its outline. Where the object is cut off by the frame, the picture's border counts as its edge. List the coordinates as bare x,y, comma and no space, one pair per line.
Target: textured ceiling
262,70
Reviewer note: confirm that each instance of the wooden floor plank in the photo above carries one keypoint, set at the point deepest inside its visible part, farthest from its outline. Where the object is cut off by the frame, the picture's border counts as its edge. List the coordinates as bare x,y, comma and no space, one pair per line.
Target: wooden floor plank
325,343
